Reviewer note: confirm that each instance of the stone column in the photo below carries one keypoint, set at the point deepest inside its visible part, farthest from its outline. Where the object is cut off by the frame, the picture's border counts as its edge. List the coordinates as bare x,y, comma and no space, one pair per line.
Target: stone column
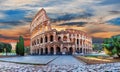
61,37
48,49
61,48
54,49
54,36
39,51
43,39
48,37
68,38
31,47
73,49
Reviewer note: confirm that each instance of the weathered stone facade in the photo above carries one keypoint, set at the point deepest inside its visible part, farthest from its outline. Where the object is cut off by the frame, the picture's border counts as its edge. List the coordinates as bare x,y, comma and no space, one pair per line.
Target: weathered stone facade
45,40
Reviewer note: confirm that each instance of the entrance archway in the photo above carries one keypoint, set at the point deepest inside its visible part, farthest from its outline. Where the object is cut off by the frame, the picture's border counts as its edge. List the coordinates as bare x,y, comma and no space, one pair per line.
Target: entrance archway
37,51
41,51
77,50
58,50
70,50
80,50
65,50
51,50
51,38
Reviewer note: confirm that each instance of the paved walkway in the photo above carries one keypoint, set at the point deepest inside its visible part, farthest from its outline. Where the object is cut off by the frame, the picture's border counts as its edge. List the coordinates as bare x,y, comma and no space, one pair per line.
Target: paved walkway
30,59
66,60
60,64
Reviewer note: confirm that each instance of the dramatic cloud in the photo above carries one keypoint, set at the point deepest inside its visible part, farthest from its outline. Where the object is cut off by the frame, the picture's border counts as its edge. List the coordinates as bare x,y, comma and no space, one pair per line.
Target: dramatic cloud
99,18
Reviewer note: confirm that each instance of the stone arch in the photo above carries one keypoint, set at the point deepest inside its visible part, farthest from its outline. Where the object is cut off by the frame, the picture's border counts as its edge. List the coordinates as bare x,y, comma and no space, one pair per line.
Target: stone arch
80,50
64,38
46,50
70,50
77,50
37,51
51,50
84,51
80,41
41,51
65,50
46,38
51,38
37,41
59,38
58,51
77,41
41,40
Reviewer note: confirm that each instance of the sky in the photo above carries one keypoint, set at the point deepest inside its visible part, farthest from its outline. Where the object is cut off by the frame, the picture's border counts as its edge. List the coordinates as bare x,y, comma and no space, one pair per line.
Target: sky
99,18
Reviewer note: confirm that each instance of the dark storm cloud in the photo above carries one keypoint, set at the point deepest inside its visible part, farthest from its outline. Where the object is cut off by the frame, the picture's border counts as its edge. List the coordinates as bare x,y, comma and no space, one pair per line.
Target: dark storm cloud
70,16
114,12
8,37
11,37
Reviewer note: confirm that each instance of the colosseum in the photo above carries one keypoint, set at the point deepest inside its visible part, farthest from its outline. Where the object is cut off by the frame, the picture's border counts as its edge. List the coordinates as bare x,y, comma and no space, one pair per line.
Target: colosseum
46,40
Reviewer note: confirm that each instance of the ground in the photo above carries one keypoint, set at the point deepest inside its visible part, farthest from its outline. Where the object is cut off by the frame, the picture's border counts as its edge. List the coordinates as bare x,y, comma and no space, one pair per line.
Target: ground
56,64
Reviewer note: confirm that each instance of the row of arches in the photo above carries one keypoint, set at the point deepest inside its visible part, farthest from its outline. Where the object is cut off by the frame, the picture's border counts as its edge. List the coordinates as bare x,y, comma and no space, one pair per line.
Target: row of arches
85,50
45,39
57,50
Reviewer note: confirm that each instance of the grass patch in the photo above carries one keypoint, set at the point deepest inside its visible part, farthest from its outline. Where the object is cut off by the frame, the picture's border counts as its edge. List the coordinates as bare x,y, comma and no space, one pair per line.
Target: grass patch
97,59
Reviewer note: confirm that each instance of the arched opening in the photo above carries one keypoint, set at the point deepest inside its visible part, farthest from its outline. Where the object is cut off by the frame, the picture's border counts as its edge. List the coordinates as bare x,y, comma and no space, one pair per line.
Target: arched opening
80,41
77,41
59,38
41,51
65,38
46,50
41,40
80,50
46,38
37,51
58,50
35,42
70,50
84,51
77,50
51,50
51,38
65,50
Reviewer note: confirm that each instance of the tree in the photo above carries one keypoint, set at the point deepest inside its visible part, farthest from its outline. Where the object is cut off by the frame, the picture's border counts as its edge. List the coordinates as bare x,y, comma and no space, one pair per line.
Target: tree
17,51
112,46
1,47
20,46
7,47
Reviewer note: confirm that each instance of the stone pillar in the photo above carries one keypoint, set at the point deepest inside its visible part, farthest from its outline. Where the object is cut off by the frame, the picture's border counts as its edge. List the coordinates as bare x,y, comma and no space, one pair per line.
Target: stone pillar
73,49
44,50
54,36
61,48
68,38
48,37
76,41
61,37
31,47
43,39
39,50
48,49
54,49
